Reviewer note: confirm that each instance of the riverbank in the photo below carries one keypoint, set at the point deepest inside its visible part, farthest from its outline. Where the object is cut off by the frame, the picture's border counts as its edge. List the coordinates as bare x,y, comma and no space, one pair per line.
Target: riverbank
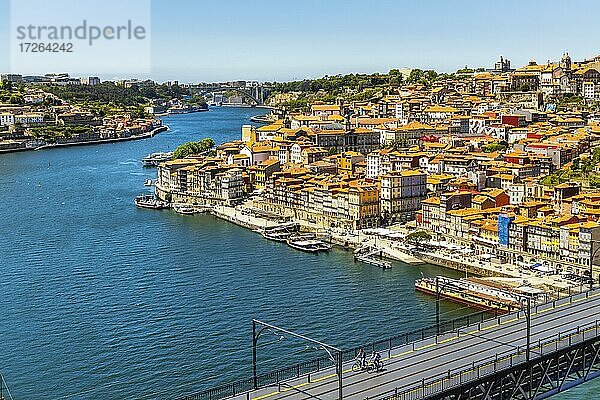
506,274
246,217
144,135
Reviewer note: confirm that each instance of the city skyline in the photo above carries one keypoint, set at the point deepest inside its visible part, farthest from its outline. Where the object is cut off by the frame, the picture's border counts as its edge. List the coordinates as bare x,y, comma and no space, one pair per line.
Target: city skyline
237,40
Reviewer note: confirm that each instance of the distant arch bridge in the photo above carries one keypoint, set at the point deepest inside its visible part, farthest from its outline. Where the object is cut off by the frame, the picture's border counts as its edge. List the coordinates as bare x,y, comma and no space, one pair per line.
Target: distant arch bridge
256,93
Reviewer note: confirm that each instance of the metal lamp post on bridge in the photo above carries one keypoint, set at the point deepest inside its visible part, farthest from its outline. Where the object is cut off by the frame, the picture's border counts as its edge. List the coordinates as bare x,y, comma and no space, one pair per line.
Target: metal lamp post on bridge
528,350
328,349
438,292
526,299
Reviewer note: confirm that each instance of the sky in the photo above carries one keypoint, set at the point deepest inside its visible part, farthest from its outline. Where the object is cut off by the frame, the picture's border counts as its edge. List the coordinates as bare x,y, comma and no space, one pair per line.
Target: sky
266,40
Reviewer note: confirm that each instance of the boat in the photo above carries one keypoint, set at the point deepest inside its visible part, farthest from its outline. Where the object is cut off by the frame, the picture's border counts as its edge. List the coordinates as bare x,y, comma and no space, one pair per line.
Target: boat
150,202
308,245
280,233
373,261
148,182
152,160
185,110
186,209
277,236
263,119
472,294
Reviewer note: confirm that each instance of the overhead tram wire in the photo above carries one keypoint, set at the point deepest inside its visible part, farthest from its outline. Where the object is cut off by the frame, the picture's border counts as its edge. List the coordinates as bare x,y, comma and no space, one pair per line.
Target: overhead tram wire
209,380
299,351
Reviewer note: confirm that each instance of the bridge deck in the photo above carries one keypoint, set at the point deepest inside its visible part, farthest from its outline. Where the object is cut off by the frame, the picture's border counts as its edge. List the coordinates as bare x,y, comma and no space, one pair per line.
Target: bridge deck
406,366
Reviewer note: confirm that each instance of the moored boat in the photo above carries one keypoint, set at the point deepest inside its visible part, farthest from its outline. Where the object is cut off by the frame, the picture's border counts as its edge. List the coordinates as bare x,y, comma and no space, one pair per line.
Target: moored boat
150,202
469,293
152,160
185,210
309,245
277,236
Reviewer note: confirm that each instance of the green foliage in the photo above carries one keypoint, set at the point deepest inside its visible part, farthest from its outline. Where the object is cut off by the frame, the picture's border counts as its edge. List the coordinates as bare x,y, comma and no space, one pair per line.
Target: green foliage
139,112
52,133
581,170
117,95
490,148
417,237
338,84
569,100
366,94
418,76
415,76
396,145
395,77
197,101
575,164
16,99
191,148
6,85
465,70
356,87
297,105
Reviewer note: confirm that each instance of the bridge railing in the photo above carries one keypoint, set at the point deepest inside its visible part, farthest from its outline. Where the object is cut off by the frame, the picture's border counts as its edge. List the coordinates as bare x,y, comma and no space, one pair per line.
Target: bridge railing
317,365
489,366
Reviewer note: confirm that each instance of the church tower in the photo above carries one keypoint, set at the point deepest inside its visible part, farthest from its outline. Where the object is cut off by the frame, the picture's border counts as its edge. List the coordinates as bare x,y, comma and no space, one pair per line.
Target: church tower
565,62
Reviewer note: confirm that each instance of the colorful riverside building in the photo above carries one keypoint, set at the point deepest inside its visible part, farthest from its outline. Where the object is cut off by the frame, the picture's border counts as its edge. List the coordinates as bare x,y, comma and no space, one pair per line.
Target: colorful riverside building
532,232
504,221
325,200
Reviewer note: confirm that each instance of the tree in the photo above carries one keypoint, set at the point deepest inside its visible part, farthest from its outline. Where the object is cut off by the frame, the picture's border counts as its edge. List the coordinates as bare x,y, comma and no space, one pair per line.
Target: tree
415,76
417,237
397,144
190,148
465,70
16,99
489,148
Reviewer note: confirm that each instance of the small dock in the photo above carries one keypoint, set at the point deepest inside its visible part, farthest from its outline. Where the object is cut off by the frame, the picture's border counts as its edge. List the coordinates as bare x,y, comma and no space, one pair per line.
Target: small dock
372,256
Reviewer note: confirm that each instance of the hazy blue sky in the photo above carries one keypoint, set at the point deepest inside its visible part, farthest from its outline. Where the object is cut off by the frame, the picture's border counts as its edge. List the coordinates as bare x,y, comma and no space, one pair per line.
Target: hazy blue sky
198,40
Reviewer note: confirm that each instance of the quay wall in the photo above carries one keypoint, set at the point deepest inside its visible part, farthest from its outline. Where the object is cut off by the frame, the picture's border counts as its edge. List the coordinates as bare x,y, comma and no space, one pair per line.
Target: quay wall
145,135
463,267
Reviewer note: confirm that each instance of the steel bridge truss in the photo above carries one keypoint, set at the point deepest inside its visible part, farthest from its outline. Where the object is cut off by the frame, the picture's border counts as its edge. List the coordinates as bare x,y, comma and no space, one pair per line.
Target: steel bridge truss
555,366
540,379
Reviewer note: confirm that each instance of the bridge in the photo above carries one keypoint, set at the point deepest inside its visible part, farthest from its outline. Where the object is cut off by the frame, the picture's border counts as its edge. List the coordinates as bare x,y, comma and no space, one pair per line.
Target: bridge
531,354
257,93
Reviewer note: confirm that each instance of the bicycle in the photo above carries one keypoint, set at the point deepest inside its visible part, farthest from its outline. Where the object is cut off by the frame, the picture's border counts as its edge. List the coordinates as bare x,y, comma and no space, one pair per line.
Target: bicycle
374,366
357,366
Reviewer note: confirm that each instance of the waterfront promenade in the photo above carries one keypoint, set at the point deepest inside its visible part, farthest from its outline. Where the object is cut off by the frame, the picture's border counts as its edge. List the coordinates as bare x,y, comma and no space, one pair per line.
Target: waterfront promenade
469,264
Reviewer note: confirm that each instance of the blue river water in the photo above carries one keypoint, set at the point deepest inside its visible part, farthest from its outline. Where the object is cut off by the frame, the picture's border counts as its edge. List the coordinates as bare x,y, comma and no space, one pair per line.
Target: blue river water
99,299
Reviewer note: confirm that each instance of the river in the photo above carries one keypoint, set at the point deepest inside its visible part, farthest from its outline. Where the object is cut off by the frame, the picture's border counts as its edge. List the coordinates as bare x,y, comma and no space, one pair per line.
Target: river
100,299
